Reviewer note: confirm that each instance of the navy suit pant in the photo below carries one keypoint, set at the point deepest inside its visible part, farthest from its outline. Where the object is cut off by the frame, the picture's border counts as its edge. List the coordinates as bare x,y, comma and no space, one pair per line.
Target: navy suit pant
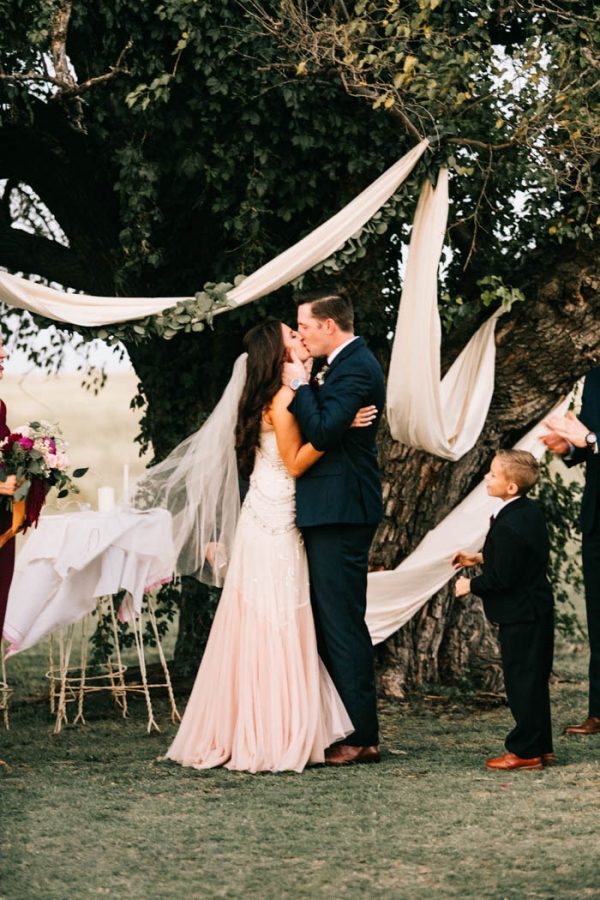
338,558
527,651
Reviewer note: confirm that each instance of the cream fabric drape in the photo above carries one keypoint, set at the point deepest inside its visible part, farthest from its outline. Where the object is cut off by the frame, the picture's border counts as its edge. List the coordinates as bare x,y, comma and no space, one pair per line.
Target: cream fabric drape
81,309
444,417
396,596
78,309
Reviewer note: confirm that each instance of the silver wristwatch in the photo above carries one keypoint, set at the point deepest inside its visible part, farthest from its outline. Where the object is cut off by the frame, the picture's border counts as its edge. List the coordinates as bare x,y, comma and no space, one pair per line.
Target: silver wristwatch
295,383
591,440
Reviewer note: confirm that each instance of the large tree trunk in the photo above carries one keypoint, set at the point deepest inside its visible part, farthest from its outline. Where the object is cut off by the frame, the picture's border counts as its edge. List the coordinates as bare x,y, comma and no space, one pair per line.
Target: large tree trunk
543,347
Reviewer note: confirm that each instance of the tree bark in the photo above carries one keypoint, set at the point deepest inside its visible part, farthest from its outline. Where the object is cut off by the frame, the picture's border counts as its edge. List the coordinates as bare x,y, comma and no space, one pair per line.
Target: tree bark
543,347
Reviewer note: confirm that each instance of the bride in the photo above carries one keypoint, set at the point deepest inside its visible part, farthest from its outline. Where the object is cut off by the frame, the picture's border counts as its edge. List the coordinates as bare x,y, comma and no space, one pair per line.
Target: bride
262,699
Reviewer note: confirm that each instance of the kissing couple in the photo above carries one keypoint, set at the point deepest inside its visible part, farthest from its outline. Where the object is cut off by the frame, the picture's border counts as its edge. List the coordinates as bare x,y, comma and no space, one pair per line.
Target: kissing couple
287,676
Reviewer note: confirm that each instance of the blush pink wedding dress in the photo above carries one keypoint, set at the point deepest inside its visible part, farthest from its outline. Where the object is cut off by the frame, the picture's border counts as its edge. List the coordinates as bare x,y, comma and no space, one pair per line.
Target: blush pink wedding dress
263,700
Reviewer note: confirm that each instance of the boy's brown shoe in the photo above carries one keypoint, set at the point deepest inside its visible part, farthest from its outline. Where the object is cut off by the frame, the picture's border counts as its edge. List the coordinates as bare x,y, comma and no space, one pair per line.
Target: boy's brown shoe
590,726
512,761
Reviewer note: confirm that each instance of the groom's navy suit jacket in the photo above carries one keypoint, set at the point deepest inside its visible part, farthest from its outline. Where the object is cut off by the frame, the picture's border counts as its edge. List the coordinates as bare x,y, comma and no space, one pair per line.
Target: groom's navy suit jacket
344,486
514,585
590,416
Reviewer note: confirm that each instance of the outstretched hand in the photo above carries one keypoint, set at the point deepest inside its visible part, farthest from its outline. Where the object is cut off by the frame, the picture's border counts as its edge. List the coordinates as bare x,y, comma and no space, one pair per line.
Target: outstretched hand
569,428
555,443
462,558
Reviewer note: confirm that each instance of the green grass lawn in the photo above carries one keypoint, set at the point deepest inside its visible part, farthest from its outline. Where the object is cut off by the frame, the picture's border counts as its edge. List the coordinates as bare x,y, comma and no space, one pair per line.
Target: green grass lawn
95,812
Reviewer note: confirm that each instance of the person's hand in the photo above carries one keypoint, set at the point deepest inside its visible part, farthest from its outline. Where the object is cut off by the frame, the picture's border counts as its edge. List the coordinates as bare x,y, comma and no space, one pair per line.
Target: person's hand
308,367
555,443
216,555
568,427
294,369
462,558
8,487
462,586
364,417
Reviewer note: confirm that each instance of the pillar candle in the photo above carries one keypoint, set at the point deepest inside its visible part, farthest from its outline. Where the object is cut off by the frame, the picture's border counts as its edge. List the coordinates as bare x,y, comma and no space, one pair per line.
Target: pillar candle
125,485
106,499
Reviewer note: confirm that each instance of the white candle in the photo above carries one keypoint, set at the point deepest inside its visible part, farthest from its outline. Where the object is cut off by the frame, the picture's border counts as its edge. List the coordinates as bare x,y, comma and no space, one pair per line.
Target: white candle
125,485
106,499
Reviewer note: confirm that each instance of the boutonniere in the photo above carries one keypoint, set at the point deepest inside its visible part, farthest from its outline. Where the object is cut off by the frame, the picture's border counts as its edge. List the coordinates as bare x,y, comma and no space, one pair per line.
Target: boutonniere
320,376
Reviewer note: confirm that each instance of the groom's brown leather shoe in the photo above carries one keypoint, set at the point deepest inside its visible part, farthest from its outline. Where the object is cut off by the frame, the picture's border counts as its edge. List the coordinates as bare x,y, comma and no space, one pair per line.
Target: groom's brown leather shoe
512,761
590,726
345,755
549,759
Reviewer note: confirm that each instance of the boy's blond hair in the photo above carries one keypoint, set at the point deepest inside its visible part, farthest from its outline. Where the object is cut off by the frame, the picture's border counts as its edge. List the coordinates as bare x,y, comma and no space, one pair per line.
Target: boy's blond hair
521,467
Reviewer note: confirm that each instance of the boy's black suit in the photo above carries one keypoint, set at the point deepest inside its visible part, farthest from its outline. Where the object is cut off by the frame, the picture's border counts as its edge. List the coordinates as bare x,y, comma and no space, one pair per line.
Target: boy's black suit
338,507
590,527
517,596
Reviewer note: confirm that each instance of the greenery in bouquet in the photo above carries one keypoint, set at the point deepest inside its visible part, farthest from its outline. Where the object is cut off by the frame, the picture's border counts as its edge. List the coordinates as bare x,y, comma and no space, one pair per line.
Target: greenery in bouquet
37,455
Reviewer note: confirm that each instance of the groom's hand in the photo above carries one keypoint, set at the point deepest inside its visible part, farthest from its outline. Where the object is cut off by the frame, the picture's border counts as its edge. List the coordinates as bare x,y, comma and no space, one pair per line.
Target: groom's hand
294,370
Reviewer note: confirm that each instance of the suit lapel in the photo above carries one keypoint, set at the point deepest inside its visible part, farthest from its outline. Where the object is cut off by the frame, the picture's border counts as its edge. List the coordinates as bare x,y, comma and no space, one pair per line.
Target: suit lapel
508,507
347,351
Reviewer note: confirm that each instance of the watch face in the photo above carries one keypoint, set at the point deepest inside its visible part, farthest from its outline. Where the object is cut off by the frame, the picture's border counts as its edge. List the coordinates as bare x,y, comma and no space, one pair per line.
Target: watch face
590,438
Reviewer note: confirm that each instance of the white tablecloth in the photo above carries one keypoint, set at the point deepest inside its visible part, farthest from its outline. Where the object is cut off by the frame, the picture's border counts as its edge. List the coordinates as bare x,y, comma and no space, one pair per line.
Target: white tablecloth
71,560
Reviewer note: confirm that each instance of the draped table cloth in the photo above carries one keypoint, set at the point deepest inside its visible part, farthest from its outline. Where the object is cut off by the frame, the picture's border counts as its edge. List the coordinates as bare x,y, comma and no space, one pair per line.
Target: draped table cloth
71,560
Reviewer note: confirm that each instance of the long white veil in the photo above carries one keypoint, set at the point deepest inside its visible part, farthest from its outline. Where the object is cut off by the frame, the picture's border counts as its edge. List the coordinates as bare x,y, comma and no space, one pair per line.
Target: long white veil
198,484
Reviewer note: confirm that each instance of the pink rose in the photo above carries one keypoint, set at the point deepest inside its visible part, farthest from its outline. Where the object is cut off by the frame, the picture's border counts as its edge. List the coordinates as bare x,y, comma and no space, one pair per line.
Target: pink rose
26,443
62,461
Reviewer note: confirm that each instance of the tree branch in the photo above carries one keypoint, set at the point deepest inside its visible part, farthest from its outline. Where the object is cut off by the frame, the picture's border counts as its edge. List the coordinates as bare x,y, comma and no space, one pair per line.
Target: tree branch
73,89
24,252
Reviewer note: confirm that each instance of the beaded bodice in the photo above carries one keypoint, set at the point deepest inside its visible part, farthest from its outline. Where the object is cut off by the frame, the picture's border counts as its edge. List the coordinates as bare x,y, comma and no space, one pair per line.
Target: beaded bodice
271,498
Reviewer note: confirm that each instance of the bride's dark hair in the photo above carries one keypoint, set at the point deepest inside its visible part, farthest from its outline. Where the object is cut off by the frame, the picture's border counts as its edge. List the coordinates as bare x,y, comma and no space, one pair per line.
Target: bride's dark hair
266,355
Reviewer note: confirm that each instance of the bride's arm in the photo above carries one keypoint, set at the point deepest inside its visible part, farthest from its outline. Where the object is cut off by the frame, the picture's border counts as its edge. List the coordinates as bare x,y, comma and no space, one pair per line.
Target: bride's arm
297,457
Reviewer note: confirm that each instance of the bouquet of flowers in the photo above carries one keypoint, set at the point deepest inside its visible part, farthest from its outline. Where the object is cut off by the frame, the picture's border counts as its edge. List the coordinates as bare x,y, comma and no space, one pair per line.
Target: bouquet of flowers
36,454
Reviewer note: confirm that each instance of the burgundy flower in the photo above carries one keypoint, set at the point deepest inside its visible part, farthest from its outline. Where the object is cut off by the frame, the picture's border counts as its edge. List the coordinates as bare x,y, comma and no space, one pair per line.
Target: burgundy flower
13,439
26,443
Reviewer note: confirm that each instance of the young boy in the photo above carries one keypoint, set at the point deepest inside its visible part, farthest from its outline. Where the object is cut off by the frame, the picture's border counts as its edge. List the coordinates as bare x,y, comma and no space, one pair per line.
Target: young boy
517,596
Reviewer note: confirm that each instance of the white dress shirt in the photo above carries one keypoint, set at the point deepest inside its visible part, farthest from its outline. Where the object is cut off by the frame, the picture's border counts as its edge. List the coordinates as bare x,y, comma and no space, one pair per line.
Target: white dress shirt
339,349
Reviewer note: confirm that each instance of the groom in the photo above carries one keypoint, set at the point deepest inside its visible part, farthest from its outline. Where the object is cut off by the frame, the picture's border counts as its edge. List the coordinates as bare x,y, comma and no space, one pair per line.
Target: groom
339,505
